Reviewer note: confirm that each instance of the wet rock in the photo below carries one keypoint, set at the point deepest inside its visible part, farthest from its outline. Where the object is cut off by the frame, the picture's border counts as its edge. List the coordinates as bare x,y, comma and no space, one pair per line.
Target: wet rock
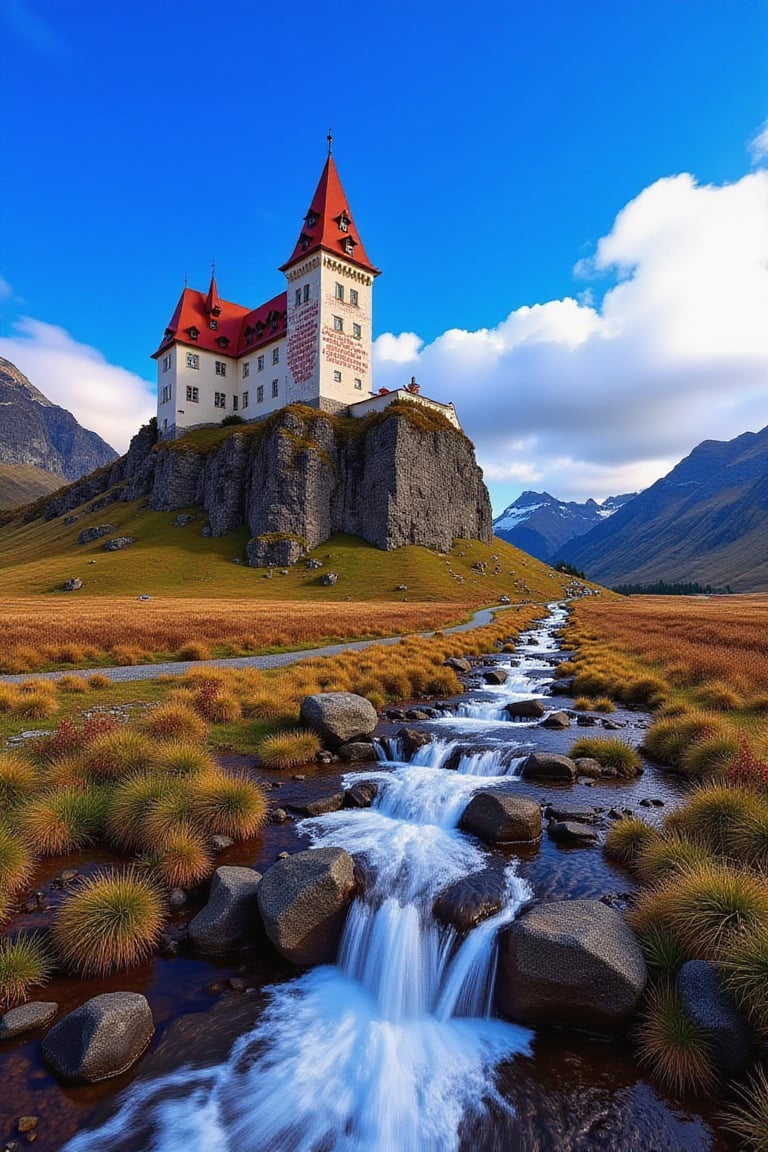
458,663
572,962
571,832
279,816
357,751
231,915
495,676
220,843
26,1017
651,802
472,899
361,795
586,721
320,805
339,717
177,899
102,1038
417,714
586,766
498,818
26,1124
581,813
304,902
394,714
706,1004
237,984
556,720
563,687
525,710
548,766
412,739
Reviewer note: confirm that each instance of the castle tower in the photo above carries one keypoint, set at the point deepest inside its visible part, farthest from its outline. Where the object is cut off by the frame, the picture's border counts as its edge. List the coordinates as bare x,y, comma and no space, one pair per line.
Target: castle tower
329,303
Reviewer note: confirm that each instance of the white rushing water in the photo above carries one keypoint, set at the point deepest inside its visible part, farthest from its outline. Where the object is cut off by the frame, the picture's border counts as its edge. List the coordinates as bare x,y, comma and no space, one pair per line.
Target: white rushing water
393,1048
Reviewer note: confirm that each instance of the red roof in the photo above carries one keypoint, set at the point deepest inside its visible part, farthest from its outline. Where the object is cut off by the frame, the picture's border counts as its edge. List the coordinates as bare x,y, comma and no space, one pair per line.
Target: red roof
329,225
237,330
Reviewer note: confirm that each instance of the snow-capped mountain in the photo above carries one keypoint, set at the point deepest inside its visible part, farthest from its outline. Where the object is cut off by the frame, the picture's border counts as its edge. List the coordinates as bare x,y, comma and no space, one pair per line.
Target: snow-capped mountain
541,525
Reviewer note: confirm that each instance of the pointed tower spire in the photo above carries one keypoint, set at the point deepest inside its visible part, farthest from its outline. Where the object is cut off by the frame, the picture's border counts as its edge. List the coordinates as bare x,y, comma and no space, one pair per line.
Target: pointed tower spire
212,300
329,224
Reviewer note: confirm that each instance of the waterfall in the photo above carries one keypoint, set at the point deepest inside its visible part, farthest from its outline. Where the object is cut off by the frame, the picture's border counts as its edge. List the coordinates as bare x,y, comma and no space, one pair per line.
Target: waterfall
392,1048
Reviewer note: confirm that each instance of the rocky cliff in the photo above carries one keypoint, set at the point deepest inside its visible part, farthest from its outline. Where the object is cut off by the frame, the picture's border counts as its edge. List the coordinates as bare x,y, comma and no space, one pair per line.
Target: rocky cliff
402,477
35,432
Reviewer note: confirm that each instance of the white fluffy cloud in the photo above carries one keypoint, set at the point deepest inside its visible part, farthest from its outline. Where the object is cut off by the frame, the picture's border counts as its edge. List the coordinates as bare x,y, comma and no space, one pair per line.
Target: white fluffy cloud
590,399
758,145
101,396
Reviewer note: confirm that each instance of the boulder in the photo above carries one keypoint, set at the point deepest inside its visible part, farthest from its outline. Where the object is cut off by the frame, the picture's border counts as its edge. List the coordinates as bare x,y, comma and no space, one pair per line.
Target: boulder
102,1038
320,805
339,717
231,914
73,585
571,832
525,710
472,899
562,686
586,766
183,519
573,962
458,663
556,720
304,902
328,579
25,1018
412,739
357,751
361,795
581,813
548,766
495,676
89,534
498,818
118,542
706,1004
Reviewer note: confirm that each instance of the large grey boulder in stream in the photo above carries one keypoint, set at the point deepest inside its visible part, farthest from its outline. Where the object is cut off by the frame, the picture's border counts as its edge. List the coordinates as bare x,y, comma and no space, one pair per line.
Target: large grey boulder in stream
231,915
473,898
498,818
706,1004
571,962
339,717
304,902
548,766
101,1038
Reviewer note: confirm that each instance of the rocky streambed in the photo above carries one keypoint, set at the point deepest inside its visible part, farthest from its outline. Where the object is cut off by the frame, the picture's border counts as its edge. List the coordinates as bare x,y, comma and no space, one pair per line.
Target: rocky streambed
419,1037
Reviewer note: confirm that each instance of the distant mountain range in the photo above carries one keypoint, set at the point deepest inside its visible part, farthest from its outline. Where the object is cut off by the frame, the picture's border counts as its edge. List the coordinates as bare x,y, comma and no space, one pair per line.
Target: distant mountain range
706,521
542,525
42,446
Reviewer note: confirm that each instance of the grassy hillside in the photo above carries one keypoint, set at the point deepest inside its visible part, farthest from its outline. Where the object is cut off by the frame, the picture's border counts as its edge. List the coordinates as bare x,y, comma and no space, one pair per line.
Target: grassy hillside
165,561
22,483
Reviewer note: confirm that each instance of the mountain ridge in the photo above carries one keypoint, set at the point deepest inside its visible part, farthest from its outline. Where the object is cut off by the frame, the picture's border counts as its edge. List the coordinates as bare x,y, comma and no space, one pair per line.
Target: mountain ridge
542,525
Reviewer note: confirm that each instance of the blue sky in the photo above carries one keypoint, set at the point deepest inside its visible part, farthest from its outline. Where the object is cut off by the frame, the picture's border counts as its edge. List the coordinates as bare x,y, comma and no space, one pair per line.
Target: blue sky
485,149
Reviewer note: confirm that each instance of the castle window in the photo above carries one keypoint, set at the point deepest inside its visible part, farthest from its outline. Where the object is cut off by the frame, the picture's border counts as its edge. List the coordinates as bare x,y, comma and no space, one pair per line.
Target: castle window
274,388
259,330
338,324
349,246
344,222
353,299
167,361
273,324
306,293
193,360
357,331
166,394
221,368
358,384
214,324
246,369
193,333
336,376
260,394
193,395
304,241
276,355
339,291
260,364
311,219
245,399
234,403
219,400
297,301
249,335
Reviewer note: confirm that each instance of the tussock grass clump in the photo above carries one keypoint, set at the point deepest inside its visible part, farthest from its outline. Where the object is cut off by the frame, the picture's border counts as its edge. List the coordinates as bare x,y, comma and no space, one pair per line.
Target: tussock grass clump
174,808
72,684
9,694
63,819
25,963
98,680
224,708
642,691
193,650
129,804
18,780
592,682
663,953
711,756
112,921
229,806
627,838
16,862
173,722
184,859
34,706
714,814
118,754
668,739
748,841
719,696
180,758
666,854
610,753
744,968
748,1119
288,749
674,1049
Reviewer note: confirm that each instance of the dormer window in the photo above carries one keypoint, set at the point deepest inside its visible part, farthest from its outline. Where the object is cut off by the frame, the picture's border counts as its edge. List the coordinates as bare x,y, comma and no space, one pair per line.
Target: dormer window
168,333
310,219
304,241
349,246
216,310
193,333
214,324
343,222
249,334
222,341
259,330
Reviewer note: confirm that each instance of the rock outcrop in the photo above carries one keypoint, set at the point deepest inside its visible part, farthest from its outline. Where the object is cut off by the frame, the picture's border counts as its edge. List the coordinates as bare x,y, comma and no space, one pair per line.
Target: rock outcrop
101,1038
304,902
301,475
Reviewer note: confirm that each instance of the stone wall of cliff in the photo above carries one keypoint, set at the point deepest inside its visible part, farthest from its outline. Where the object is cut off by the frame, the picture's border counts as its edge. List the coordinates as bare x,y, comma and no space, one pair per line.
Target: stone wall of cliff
402,477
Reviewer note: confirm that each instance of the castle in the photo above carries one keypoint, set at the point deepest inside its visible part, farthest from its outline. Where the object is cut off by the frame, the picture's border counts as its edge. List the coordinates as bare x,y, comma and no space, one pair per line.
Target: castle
311,344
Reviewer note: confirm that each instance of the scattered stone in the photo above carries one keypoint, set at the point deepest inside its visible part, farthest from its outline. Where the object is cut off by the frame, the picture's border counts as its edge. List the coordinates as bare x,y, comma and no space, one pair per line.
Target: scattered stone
177,899
458,663
394,714
219,843
472,899
586,721
89,534
118,542
69,520
556,720
328,579
525,710
102,1038
562,687
402,588
548,766
571,832
651,802
321,805
706,1004
504,599
304,902
412,739
168,945
495,676
313,564
65,877
571,961
237,984
578,812
283,855
586,766
339,717
35,1014
183,519
361,795
298,776
26,1124
207,531
73,585
279,816
357,751
231,914
498,818
417,714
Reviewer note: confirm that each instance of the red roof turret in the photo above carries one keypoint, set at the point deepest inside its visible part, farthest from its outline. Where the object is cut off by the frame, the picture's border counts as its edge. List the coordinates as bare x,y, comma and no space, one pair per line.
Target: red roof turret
329,225
212,302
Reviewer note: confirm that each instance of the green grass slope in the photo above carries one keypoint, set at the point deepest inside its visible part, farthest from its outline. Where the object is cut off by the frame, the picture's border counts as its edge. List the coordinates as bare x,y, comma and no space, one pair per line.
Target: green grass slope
37,558
22,483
